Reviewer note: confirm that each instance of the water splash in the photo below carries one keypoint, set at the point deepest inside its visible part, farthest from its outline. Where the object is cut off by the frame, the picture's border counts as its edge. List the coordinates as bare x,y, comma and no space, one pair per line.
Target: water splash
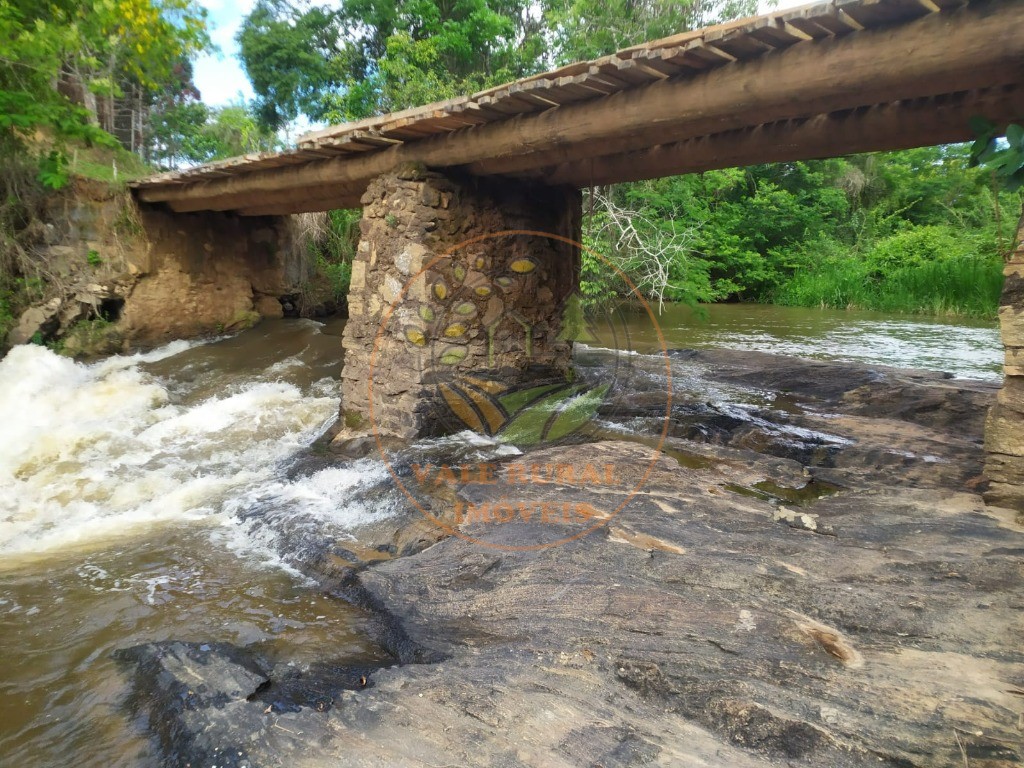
107,450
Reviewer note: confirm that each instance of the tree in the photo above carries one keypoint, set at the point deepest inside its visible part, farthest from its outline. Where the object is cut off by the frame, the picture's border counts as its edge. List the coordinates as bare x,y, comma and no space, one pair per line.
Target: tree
112,42
290,58
190,132
588,29
373,56
99,54
32,53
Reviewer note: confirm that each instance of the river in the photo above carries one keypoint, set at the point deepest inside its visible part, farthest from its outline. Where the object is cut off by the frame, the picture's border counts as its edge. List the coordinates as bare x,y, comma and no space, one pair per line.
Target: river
965,348
124,487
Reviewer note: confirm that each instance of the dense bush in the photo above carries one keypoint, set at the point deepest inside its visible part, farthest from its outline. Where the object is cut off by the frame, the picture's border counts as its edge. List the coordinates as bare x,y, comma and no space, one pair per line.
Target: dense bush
912,231
332,239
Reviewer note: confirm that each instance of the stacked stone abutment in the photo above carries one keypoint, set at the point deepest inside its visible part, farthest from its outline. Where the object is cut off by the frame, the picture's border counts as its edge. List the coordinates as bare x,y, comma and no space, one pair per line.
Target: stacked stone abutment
437,293
1004,430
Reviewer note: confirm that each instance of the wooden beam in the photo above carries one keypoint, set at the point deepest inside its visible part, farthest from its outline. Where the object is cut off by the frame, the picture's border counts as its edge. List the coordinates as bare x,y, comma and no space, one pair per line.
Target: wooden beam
901,125
279,199
322,203
972,47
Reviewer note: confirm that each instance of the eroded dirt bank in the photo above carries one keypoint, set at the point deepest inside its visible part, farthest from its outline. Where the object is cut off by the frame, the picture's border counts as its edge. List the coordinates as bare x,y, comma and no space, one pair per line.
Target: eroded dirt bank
809,576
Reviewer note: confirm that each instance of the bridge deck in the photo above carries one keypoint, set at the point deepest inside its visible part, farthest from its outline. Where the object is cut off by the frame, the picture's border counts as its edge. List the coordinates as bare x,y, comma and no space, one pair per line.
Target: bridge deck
829,78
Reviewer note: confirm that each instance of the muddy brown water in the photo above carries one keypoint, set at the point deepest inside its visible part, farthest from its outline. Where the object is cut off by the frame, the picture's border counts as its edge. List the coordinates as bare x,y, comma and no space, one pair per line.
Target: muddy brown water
965,348
125,483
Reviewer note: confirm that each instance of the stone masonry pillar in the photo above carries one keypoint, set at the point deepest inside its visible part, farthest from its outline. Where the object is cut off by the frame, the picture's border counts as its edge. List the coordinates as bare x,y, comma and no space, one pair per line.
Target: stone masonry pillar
1004,430
439,294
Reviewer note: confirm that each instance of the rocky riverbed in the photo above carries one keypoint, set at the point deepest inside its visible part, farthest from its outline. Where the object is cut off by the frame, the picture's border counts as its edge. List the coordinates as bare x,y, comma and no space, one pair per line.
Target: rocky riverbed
808,576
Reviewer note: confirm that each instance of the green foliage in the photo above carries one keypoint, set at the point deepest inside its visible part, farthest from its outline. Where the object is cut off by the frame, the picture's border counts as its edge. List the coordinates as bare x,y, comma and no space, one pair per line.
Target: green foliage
959,285
344,61
1005,159
53,170
588,29
94,259
103,53
289,55
127,222
913,248
89,338
190,132
332,241
7,318
911,231
367,57
110,164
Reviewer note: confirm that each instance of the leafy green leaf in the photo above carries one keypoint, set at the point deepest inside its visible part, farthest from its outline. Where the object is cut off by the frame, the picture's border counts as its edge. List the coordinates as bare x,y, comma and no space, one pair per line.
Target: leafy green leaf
1015,136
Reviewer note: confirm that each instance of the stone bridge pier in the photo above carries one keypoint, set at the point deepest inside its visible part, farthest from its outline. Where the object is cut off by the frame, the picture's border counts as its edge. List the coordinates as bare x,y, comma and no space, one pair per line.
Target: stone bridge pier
1004,430
455,279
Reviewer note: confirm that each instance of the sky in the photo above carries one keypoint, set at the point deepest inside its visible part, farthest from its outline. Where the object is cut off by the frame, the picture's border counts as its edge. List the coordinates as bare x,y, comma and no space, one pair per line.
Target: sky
220,77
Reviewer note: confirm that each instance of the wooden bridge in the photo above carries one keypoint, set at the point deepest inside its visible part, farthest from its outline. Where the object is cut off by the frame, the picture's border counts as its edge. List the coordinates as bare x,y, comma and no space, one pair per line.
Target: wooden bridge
442,293
827,79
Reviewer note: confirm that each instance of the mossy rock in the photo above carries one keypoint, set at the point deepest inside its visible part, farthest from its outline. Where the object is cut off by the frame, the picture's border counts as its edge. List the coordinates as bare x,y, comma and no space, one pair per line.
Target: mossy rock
243,320
91,338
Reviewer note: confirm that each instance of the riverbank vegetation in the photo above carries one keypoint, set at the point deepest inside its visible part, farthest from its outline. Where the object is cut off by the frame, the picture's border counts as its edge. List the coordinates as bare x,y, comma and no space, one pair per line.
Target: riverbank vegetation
912,231
104,89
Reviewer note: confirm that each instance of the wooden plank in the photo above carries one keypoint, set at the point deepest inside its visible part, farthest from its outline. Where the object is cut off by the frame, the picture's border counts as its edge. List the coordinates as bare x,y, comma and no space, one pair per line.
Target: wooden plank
326,200
872,89
836,24
563,95
739,44
656,60
811,28
686,59
709,53
875,12
594,83
636,72
371,123
739,39
618,77
513,104
570,86
780,34
540,98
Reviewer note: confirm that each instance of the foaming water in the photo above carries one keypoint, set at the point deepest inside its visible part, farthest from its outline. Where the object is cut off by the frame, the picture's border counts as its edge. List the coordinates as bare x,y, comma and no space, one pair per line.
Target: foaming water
151,497
100,451
185,433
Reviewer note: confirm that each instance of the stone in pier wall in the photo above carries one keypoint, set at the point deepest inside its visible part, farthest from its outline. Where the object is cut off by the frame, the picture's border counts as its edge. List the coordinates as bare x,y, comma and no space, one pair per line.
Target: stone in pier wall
440,298
1004,430
210,272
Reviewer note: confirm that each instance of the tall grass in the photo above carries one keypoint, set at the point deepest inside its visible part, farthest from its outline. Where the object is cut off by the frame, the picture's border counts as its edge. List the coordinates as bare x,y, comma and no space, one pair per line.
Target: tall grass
967,286
114,165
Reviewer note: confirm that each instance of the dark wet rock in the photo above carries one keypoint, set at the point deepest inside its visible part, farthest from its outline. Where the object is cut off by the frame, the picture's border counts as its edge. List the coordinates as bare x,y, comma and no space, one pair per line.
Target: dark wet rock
196,697
927,398
214,703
